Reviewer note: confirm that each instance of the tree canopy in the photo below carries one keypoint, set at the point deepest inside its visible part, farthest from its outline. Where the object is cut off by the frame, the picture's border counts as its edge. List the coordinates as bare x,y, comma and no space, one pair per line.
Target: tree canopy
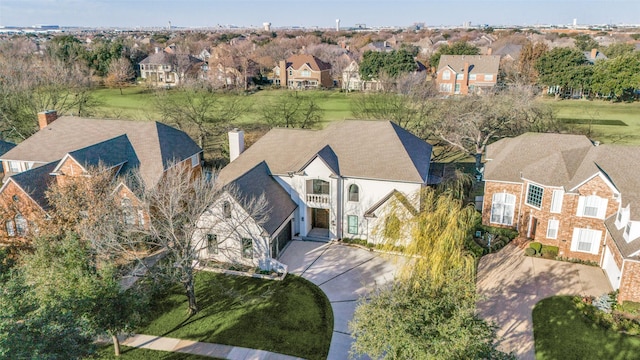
619,76
564,67
457,48
393,63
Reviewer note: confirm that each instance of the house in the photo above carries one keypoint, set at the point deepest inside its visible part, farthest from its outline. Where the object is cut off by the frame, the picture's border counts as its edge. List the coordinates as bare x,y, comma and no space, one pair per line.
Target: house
334,183
508,52
303,71
351,80
594,55
567,191
467,74
169,69
4,147
69,146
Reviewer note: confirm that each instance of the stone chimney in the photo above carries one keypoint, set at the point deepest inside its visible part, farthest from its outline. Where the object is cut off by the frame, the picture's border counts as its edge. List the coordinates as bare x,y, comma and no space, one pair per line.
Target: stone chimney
594,53
46,117
236,144
283,73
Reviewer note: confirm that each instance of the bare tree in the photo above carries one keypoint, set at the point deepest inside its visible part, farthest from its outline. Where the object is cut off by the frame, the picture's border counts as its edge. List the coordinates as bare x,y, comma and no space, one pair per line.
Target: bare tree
292,110
120,73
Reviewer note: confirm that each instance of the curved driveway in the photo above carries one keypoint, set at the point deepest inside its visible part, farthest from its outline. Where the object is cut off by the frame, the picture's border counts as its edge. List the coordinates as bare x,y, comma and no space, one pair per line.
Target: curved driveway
510,284
344,274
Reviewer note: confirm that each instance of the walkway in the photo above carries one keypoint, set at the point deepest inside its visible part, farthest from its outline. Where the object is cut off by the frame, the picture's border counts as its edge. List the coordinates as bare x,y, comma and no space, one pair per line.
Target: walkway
510,284
344,274
202,348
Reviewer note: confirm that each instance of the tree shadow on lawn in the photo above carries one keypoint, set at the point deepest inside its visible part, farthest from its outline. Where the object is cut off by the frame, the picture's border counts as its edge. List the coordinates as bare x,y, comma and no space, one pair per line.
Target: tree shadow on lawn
291,316
562,332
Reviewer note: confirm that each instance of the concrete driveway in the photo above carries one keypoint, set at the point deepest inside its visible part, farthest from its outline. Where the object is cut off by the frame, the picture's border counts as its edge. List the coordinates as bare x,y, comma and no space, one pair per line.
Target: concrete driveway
344,274
510,284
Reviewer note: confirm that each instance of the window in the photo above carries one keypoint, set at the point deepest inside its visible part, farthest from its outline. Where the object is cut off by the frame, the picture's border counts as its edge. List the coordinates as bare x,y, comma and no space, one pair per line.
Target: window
11,228
502,208
14,166
619,217
352,224
226,210
320,186
445,88
457,91
534,195
592,206
212,243
247,248
277,72
305,73
472,76
127,211
195,160
460,77
586,240
488,77
552,229
141,217
141,67
627,230
354,193
290,72
556,201
21,225
446,75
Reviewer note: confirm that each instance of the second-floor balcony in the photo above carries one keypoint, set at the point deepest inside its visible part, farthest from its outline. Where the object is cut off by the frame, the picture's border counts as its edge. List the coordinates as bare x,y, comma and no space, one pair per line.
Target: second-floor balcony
321,201
318,194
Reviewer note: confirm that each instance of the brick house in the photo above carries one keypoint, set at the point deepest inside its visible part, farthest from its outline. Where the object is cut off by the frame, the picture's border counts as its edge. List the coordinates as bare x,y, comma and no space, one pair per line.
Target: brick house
164,68
303,72
68,146
567,191
467,74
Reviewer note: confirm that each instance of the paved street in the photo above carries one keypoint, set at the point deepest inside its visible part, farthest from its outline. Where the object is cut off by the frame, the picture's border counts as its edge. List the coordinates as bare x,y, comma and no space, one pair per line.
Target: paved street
510,284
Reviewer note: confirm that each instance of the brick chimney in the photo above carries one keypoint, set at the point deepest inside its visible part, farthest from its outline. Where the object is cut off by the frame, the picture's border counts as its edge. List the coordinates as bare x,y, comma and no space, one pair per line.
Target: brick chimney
594,53
236,144
46,117
464,87
489,51
283,73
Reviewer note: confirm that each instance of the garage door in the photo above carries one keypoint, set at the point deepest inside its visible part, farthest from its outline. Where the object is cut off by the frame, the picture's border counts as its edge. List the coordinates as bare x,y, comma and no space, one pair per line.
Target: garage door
281,240
612,270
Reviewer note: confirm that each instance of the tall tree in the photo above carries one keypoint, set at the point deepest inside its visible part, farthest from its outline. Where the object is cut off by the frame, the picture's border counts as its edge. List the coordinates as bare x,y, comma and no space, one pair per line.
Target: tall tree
585,42
529,55
120,73
617,49
457,48
619,76
394,63
564,67
292,110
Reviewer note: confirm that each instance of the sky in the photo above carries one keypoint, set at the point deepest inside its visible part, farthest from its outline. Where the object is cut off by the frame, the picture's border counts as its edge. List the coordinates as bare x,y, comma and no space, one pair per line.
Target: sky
310,13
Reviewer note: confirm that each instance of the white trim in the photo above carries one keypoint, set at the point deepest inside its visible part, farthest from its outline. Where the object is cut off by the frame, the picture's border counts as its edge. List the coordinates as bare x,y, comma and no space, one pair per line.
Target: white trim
526,195
556,201
556,228
603,177
595,240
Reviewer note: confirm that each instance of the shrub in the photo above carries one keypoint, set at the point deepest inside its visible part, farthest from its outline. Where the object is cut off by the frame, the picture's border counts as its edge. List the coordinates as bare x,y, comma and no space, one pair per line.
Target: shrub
549,252
536,246
530,251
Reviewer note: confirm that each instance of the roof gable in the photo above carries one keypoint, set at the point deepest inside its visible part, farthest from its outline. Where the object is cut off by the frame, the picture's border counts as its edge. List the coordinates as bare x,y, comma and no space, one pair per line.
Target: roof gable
35,182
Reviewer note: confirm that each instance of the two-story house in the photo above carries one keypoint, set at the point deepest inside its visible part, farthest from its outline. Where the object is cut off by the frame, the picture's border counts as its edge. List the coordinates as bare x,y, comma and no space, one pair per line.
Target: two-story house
567,191
467,74
163,68
70,146
325,184
302,71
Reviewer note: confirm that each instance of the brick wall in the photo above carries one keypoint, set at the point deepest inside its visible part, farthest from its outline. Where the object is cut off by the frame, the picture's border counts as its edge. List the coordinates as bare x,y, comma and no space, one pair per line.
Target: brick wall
630,282
492,187
13,201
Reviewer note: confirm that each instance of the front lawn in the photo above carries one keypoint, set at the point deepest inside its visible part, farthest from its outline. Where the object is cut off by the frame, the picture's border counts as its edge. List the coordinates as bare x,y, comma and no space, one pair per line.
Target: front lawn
291,317
562,332
129,353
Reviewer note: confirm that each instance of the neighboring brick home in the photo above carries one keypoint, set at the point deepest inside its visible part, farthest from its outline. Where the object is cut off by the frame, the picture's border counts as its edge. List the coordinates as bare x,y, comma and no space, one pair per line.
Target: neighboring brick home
303,72
467,74
69,146
567,191
4,147
168,69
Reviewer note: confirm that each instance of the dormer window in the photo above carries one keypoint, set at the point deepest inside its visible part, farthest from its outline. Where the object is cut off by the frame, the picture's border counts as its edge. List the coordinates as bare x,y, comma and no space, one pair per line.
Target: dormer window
354,193
627,230
226,210
446,75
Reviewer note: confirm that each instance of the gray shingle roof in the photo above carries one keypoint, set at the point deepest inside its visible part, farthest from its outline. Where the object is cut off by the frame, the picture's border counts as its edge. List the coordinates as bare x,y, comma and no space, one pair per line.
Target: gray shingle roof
6,146
626,248
35,182
258,181
156,145
566,161
363,149
109,153
479,64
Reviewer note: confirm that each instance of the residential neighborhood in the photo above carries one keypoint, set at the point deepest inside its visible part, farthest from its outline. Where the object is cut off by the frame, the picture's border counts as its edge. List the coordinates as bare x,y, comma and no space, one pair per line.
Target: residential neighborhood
348,191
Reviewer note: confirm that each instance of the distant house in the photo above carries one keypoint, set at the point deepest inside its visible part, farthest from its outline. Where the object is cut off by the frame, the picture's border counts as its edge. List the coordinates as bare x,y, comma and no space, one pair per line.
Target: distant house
567,191
320,185
380,46
168,69
508,52
68,147
594,55
222,76
467,74
303,72
351,80
4,147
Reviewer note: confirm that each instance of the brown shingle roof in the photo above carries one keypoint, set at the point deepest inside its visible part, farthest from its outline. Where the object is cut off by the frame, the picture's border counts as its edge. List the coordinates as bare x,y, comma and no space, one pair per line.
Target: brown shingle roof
478,64
156,145
297,61
355,148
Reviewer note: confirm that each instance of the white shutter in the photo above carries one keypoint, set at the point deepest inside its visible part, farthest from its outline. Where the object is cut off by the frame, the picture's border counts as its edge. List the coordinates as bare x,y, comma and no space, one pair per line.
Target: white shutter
602,208
596,235
580,206
574,239
552,229
556,201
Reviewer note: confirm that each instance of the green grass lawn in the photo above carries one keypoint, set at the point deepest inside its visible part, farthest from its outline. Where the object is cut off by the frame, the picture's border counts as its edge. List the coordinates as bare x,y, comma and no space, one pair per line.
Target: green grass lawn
561,332
610,122
291,317
128,353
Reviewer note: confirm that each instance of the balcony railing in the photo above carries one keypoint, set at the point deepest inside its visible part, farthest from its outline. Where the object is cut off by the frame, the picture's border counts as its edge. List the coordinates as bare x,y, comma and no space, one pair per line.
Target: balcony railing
318,200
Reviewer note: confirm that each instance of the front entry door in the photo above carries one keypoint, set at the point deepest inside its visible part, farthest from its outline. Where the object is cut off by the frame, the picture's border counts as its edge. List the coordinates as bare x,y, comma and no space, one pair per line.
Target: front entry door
320,218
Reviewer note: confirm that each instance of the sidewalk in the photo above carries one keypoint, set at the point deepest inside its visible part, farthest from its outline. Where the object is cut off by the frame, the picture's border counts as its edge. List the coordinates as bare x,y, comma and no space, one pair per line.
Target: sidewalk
202,348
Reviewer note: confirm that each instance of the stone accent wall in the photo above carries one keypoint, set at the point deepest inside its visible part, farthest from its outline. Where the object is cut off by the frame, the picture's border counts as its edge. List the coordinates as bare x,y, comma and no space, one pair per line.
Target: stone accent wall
630,282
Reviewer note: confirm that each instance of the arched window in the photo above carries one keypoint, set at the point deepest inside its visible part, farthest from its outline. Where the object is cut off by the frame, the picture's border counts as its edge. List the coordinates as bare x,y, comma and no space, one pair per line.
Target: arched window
502,208
127,211
11,228
21,225
226,210
354,193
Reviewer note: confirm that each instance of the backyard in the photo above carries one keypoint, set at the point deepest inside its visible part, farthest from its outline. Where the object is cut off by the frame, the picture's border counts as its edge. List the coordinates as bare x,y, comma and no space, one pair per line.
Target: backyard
562,332
290,317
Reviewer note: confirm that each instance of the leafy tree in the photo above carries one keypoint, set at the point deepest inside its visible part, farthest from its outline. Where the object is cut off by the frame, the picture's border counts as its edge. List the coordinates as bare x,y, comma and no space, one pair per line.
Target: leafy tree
564,67
635,36
103,53
392,63
292,110
458,48
584,42
529,55
619,76
617,49
68,49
